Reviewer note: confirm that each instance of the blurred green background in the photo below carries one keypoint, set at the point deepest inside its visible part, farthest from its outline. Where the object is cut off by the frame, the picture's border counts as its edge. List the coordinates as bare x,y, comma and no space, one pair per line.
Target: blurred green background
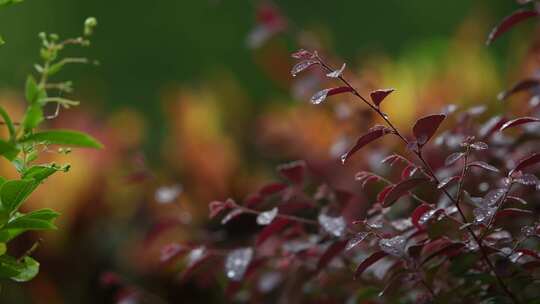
144,46
178,82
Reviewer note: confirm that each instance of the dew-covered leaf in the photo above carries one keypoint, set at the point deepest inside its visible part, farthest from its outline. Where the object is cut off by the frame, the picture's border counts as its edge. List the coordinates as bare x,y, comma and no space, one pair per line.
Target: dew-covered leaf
237,262
483,165
426,127
373,134
302,66
372,259
394,246
379,95
356,240
510,21
493,197
518,122
401,189
302,54
334,226
321,96
452,158
479,145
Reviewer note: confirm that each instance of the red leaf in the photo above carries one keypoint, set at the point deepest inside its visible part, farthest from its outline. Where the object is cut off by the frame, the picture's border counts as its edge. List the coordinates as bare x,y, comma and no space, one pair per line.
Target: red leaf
512,212
373,134
321,96
483,165
490,126
277,225
379,95
526,162
508,22
426,127
408,171
529,252
332,251
372,259
417,214
272,189
384,192
216,207
517,122
518,87
293,172
447,250
401,189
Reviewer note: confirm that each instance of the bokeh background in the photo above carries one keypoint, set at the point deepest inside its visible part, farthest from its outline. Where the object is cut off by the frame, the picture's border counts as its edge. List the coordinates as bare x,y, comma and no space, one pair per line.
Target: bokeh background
197,96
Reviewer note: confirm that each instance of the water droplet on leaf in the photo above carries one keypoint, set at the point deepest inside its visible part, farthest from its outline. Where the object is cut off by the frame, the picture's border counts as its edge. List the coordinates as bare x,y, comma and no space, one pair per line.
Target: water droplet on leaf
237,262
265,218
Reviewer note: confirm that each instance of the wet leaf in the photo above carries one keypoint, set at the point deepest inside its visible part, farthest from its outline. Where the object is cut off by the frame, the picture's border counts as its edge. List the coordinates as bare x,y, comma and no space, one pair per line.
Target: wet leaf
445,182
510,21
277,225
379,95
401,189
373,134
452,158
372,259
483,165
418,213
426,127
337,73
302,66
321,96
518,122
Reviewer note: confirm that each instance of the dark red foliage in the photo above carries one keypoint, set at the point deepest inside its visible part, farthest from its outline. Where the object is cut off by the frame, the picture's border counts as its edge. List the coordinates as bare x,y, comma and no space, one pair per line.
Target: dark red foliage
379,95
508,22
372,259
425,127
524,85
373,134
401,189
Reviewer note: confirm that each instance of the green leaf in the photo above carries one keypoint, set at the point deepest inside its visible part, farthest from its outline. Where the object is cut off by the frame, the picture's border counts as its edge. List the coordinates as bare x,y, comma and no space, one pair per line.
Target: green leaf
9,123
29,271
8,2
19,271
33,221
3,248
8,150
13,193
33,117
39,173
33,93
66,138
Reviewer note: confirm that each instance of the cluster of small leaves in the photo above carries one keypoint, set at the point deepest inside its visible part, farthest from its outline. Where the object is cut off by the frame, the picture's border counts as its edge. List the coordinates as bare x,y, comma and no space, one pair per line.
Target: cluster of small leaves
24,144
451,223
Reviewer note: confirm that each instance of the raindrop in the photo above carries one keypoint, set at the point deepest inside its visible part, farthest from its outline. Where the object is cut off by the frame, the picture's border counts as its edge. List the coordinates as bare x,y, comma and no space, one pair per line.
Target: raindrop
195,255
265,218
527,180
343,158
483,215
357,239
320,96
514,257
426,217
493,197
375,222
167,194
528,231
394,246
237,262
333,225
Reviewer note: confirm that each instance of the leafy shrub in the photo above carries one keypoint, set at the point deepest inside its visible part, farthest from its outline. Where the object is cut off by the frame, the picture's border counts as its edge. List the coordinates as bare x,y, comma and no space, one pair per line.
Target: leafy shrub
453,222
26,142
